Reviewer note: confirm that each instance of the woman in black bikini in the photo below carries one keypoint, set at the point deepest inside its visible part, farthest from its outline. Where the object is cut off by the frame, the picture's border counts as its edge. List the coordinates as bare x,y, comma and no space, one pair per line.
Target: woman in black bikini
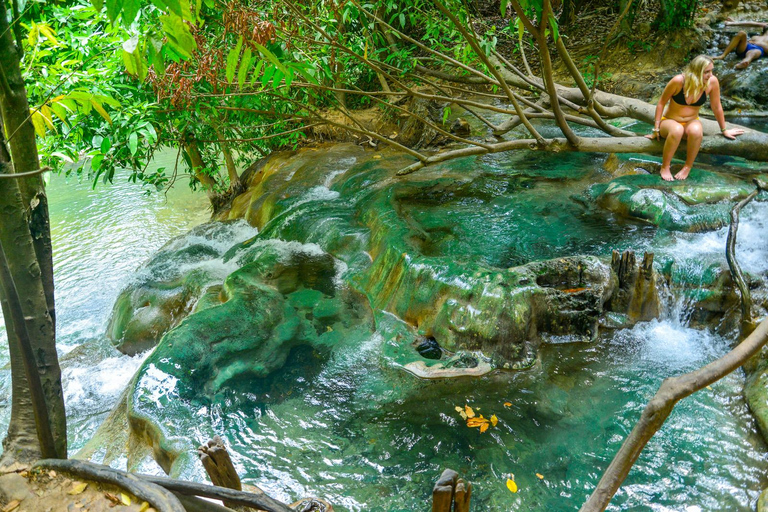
688,92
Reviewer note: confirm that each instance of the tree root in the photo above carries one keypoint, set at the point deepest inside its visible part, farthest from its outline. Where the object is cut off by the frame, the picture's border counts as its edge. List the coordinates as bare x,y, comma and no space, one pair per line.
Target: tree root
159,498
159,491
231,496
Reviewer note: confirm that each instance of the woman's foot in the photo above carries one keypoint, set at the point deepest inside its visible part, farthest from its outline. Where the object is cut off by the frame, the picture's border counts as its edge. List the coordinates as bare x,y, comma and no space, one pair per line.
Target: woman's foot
683,174
666,175
742,65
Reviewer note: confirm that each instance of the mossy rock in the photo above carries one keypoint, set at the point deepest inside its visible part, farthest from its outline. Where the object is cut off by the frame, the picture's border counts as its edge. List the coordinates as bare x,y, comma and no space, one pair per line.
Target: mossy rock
700,203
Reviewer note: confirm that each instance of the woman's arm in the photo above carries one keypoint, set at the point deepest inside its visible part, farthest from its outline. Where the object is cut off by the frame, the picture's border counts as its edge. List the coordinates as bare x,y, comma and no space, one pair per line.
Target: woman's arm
672,88
717,109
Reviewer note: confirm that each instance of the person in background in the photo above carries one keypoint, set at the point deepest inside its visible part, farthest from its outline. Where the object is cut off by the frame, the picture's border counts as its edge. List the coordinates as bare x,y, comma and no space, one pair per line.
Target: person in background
747,50
677,114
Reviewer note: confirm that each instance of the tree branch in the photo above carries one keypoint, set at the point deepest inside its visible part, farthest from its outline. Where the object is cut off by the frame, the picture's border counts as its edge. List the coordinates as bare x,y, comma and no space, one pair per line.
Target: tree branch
671,391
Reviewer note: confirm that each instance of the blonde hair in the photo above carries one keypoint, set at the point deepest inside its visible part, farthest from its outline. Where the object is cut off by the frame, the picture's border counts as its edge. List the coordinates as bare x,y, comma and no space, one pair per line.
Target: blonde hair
693,75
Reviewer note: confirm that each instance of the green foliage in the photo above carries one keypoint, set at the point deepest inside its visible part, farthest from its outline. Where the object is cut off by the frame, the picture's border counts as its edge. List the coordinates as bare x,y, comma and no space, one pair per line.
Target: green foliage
676,14
587,68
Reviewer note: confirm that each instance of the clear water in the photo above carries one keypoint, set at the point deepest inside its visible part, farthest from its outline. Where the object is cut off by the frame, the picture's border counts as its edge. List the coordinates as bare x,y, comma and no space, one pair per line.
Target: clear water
361,432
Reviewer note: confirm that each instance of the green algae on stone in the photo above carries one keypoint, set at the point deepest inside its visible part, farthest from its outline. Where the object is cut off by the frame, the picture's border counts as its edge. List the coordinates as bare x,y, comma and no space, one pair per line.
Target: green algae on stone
287,295
700,203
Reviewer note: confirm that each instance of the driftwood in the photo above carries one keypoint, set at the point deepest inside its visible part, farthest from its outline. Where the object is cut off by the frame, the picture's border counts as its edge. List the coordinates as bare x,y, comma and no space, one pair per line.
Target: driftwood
218,465
730,256
671,391
159,498
451,493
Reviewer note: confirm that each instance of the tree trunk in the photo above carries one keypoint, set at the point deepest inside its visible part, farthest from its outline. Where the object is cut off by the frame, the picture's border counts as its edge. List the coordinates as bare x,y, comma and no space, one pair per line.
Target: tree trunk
196,161
25,228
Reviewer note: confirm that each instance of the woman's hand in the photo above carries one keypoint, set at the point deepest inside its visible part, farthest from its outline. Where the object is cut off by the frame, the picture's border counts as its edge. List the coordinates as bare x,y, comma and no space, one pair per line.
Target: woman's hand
732,133
654,135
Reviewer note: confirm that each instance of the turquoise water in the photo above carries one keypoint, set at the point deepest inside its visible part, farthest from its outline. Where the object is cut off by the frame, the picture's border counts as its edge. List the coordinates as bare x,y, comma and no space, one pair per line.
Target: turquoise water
355,428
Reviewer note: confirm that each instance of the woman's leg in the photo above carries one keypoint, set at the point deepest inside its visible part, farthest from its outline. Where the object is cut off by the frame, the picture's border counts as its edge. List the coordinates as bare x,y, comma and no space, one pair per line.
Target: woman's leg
693,135
673,132
738,43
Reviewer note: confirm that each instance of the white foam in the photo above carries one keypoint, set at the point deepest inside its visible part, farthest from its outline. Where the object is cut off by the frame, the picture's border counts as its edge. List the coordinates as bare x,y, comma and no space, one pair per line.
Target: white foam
94,387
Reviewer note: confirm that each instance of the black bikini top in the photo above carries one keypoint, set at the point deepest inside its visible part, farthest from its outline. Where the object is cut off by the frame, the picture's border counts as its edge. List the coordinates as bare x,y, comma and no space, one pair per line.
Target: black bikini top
679,98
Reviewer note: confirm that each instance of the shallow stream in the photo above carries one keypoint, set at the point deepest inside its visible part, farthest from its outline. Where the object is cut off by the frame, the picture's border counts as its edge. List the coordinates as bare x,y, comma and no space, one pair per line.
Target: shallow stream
357,429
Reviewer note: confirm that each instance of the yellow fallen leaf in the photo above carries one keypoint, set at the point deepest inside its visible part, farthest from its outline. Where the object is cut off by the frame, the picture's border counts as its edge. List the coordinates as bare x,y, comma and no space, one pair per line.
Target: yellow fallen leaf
540,476
469,411
483,427
78,488
144,507
476,422
125,499
511,485
494,420
507,404
11,506
460,410
376,156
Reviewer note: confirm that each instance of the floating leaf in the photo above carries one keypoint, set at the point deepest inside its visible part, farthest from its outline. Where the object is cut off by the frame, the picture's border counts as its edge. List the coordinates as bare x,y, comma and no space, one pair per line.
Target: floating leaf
459,410
483,427
511,485
494,420
540,476
469,411
78,488
507,404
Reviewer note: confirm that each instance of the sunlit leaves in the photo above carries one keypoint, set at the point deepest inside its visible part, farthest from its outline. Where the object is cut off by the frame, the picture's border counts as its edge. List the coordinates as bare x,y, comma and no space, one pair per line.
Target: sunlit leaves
179,35
232,59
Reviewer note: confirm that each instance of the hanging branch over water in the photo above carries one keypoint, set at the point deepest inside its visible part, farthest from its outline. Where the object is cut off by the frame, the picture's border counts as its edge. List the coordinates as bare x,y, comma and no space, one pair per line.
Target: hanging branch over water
671,391
733,264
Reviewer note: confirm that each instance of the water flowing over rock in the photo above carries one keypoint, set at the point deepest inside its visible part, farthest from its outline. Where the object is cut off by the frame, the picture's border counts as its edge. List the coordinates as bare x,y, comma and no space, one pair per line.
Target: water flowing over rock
487,264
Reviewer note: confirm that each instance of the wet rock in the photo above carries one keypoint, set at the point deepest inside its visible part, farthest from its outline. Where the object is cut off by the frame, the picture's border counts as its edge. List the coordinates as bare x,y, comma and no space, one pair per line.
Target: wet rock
428,348
461,127
696,204
167,288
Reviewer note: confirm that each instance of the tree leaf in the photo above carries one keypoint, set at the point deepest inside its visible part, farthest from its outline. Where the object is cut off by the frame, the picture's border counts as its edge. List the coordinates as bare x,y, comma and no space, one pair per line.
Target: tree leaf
38,123
555,30
106,145
511,485
245,66
48,33
130,10
179,36
133,143
504,5
113,9
97,106
98,5
78,488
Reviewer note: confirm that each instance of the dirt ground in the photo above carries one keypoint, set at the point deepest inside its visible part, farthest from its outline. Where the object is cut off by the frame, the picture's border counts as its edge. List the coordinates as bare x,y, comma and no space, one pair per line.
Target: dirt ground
22,490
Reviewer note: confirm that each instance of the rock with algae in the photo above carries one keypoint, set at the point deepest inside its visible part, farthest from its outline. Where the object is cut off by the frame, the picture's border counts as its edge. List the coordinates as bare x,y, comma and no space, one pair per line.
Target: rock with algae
700,203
